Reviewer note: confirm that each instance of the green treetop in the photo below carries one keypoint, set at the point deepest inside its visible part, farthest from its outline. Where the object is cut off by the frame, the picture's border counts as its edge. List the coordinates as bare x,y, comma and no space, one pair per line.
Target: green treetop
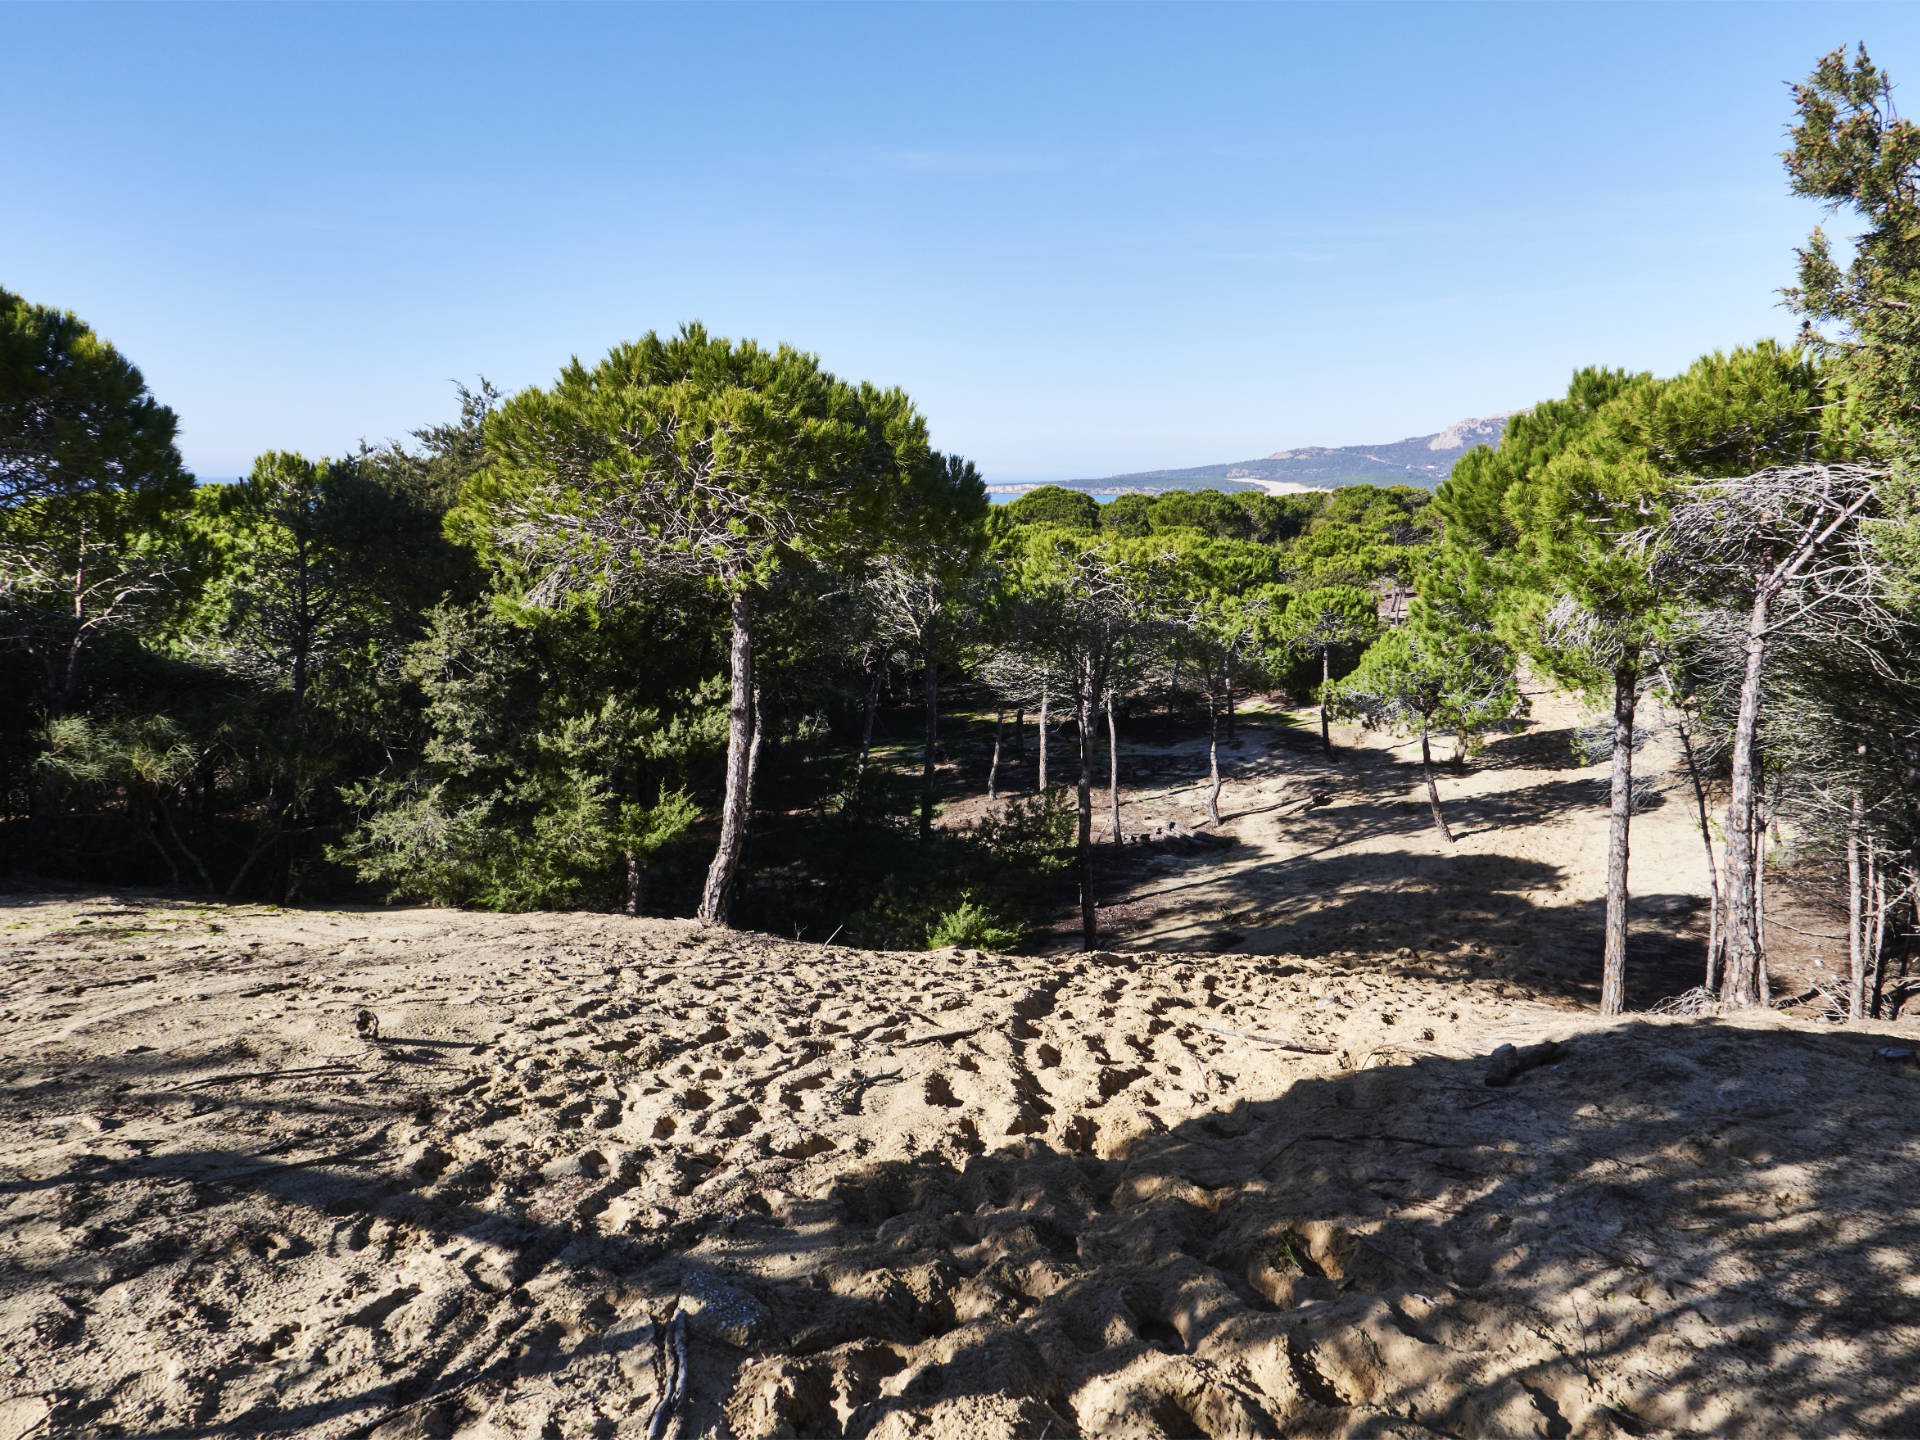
696,457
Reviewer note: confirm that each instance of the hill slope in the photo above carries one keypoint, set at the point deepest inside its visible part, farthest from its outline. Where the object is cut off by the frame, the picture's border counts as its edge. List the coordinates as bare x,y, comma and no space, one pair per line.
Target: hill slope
1418,460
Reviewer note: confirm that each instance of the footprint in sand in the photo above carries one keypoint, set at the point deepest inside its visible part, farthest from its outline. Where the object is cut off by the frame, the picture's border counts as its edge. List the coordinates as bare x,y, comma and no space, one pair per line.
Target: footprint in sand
939,1092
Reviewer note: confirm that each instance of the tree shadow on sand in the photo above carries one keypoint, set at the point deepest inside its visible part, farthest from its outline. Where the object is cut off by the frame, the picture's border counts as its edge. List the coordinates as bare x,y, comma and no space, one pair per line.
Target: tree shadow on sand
1669,1228
1685,1226
1469,912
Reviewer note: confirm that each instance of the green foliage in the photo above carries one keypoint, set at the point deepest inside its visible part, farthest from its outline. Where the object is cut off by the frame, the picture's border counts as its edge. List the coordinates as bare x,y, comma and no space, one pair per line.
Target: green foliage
556,840
1397,513
1329,619
147,749
1212,512
1031,833
1225,567
525,798
303,572
1540,524
1852,150
1533,530
77,423
974,927
1726,415
1129,515
90,481
1341,555
1408,684
690,456
1053,505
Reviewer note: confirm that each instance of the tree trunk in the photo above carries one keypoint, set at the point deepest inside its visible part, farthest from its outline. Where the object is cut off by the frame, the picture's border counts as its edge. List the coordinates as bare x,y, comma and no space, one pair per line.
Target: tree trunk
755,751
1907,951
1113,769
633,882
1712,981
1213,757
239,876
1877,929
1740,984
866,725
153,838
1089,924
932,744
1613,964
1233,729
1856,942
1760,907
1046,697
62,685
166,817
993,770
1326,671
717,897
61,691
1433,790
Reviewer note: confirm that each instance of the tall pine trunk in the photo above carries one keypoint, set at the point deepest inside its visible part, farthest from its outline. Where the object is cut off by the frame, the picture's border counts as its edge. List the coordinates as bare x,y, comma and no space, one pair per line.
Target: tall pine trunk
1760,898
1740,975
1213,757
1712,980
717,897
1876,928
1856,942
1113,769
1326,673
1613,965
932,745
1089,924
63,683
1046,698
754,750
1433,790
866,724
993,770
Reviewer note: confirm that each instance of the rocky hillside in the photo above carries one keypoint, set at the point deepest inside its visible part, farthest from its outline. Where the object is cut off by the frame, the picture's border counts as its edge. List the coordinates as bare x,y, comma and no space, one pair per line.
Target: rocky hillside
1417,460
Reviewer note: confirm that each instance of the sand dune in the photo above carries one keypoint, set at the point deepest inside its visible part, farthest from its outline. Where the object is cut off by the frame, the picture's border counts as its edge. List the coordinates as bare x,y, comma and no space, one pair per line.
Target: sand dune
943,1194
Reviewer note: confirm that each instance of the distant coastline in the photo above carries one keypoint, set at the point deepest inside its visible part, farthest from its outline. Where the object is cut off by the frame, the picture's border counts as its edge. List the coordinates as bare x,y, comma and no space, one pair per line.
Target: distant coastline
1424,461
1004,494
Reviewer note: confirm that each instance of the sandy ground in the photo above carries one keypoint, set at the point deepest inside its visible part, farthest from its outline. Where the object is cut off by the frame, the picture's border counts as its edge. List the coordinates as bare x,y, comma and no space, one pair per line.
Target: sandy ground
947,1194
1526,868
1520,890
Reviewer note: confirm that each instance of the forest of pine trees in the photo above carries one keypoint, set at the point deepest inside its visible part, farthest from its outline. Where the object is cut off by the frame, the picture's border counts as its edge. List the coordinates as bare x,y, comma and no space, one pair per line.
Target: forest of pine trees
705,629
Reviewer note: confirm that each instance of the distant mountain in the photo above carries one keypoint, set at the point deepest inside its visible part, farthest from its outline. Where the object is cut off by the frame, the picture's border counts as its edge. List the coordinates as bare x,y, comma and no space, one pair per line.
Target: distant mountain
1423,460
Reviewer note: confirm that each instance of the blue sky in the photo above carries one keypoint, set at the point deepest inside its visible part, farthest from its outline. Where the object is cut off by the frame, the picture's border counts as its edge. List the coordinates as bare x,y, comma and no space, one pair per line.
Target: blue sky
1085,238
